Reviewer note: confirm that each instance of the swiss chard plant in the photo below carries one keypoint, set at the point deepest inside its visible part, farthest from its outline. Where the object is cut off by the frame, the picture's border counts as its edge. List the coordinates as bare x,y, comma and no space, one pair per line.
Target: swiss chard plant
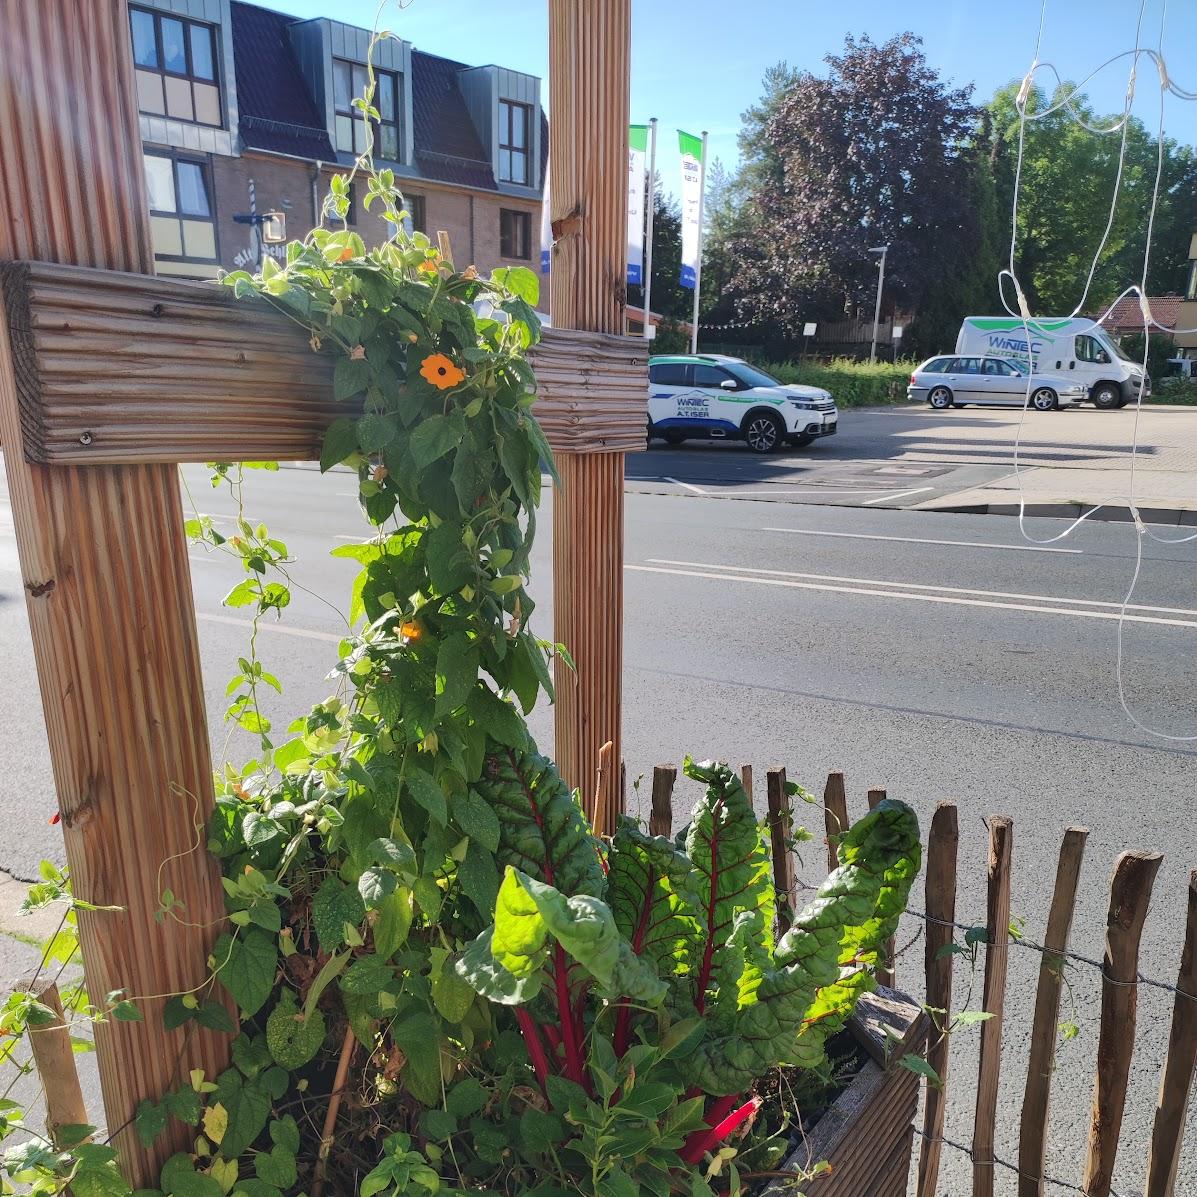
604,954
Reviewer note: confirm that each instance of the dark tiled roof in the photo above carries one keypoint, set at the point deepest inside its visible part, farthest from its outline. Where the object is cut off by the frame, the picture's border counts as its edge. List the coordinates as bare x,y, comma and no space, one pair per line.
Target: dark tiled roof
276,110
447,146
1127,317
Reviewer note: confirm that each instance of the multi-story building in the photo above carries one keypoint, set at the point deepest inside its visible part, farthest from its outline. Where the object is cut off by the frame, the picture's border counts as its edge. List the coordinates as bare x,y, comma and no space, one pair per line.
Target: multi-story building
1186,313
246,111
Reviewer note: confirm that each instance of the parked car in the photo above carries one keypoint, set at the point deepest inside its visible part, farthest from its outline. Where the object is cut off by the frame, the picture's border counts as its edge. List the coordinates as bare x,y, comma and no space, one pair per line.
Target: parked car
1075,349
714,397
950,381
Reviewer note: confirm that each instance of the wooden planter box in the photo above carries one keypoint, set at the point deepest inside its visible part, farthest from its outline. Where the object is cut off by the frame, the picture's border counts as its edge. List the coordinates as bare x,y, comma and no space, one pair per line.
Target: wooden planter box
867,1132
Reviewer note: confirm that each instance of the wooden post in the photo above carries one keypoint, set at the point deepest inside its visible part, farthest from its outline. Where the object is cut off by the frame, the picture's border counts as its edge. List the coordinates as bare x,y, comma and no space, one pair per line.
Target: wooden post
875,797
54,1058
1032,1142
1130,893
942,843
835,816
602,813
779,836
1001,847
589,64
1168,1129
660,820
746,780
106,576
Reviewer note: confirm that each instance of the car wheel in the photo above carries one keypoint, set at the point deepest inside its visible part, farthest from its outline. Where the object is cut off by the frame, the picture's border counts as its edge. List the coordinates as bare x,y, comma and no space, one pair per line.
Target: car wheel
648,435
674,438
1106,396
940,398
1044,399
803,439
763,431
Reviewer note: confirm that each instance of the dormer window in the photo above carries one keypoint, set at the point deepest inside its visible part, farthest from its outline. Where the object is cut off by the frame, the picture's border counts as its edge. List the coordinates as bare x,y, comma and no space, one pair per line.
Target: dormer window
349,84
514,125
176,67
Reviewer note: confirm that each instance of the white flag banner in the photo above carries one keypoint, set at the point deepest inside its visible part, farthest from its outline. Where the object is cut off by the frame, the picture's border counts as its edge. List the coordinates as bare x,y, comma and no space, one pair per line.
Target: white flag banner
546,226
637,153
692,167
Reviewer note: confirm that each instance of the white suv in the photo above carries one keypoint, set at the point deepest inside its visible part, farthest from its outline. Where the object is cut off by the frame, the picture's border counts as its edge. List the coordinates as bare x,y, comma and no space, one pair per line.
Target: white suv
715,397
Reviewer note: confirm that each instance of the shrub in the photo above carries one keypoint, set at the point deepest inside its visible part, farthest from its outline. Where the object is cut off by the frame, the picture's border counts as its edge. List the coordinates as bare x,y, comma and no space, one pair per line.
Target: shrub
851,383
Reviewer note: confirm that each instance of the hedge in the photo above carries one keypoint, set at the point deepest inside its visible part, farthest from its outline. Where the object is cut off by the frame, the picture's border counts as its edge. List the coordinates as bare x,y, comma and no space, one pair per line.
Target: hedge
851,383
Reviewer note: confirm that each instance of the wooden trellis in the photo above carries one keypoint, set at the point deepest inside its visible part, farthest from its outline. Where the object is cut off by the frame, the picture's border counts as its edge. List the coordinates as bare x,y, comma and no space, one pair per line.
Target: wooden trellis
108,378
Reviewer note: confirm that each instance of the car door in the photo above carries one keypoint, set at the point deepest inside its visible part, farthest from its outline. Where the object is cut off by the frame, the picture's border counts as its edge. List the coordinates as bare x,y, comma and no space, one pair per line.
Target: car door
965,380
666,381
1002,383
718,403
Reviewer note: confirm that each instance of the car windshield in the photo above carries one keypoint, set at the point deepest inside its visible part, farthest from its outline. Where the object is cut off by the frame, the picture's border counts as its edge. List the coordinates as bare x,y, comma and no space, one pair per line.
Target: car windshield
1112,344
750,375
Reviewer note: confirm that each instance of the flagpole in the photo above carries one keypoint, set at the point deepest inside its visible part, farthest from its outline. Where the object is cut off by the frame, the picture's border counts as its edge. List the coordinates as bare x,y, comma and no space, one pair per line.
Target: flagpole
702,190
648,222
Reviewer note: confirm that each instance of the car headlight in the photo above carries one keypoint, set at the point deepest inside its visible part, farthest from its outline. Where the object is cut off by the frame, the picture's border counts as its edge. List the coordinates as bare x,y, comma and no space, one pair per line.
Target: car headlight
805,404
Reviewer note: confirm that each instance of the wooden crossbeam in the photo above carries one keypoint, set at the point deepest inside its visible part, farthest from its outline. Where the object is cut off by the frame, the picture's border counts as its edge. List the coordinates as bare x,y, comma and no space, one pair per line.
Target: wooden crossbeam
114,368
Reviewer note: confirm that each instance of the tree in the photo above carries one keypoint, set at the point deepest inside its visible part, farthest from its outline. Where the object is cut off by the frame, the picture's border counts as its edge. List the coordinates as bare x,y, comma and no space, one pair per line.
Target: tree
873,154
1070,189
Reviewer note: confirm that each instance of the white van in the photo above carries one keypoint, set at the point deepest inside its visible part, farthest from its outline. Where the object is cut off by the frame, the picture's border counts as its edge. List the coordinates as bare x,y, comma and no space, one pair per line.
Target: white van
1070,348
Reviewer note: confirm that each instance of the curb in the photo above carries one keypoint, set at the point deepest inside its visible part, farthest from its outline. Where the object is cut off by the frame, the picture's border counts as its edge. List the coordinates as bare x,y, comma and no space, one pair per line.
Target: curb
1176,517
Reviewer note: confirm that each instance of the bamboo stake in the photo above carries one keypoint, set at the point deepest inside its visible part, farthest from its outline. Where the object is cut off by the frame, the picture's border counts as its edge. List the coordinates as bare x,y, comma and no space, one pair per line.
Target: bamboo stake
1001,847
780,817
446,250
835,815
1167,1132
942,844
602,813
660,820
54,1059
746,780
1032,1143
875,797
1130,894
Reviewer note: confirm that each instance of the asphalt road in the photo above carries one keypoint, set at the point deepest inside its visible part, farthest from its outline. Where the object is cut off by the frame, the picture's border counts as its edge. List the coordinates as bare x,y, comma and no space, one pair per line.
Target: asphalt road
909,456
942,656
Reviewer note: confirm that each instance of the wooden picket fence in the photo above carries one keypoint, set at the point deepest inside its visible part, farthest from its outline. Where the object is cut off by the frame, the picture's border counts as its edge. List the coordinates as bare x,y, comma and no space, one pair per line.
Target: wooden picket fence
1130,891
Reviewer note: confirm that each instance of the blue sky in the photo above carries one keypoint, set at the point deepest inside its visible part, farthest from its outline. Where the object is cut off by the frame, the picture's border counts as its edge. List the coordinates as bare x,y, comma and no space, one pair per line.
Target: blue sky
698,64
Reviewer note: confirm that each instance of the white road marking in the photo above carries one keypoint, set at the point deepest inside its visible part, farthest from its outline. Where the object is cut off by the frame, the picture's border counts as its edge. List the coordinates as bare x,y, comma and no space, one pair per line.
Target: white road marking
968,544
678,482
730,493
901,594
1038,598
902,494
265,626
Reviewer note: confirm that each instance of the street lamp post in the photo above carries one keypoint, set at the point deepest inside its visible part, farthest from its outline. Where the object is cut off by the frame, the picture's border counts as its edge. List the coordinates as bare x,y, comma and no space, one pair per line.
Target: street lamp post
882,250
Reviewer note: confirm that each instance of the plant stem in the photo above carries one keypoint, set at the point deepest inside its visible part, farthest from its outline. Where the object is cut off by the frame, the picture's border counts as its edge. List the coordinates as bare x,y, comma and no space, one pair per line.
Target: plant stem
569,1029
536,1052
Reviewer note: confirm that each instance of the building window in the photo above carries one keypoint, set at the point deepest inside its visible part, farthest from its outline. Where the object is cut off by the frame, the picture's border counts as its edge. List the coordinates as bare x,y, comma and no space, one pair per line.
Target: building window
415,207
182,215
176,67
514,122
1191,289
515,234
349,83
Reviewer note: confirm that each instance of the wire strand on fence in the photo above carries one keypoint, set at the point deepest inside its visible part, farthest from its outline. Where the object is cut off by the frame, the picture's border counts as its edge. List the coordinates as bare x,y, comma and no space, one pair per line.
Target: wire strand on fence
998,1162
1020,941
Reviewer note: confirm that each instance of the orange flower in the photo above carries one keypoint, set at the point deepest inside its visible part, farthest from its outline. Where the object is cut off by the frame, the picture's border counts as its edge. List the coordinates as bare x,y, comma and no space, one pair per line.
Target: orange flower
441,372
409,630
345,254
428,266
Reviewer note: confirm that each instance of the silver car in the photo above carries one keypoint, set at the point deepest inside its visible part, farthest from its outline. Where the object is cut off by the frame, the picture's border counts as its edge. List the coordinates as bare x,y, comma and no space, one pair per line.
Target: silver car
950,381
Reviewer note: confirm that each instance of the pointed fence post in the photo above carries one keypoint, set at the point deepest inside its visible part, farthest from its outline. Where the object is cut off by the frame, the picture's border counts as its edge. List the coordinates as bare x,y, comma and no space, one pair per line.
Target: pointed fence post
107,580
589,65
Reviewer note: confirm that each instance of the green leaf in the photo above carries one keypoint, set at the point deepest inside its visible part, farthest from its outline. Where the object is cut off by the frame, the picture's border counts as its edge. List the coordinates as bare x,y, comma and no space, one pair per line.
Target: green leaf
368,974
467,1097
180,1179
248,1106
485,975
375,432
451,996
293,1039
393,923
450,565
215,1017
149,1121
258,829
351,376
376,884
284,1132
276,1168
395,854
498,718
175,1013
921,1067
456,672
434,437
427,794
334,905
541,1131
438,1125
127,1011
418,1035
340,442
520,281
250,962
479,878
184,1104
476,817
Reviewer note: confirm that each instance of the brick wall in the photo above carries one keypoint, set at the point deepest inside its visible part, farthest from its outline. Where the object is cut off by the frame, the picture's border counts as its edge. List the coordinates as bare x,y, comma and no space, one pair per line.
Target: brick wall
470,218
